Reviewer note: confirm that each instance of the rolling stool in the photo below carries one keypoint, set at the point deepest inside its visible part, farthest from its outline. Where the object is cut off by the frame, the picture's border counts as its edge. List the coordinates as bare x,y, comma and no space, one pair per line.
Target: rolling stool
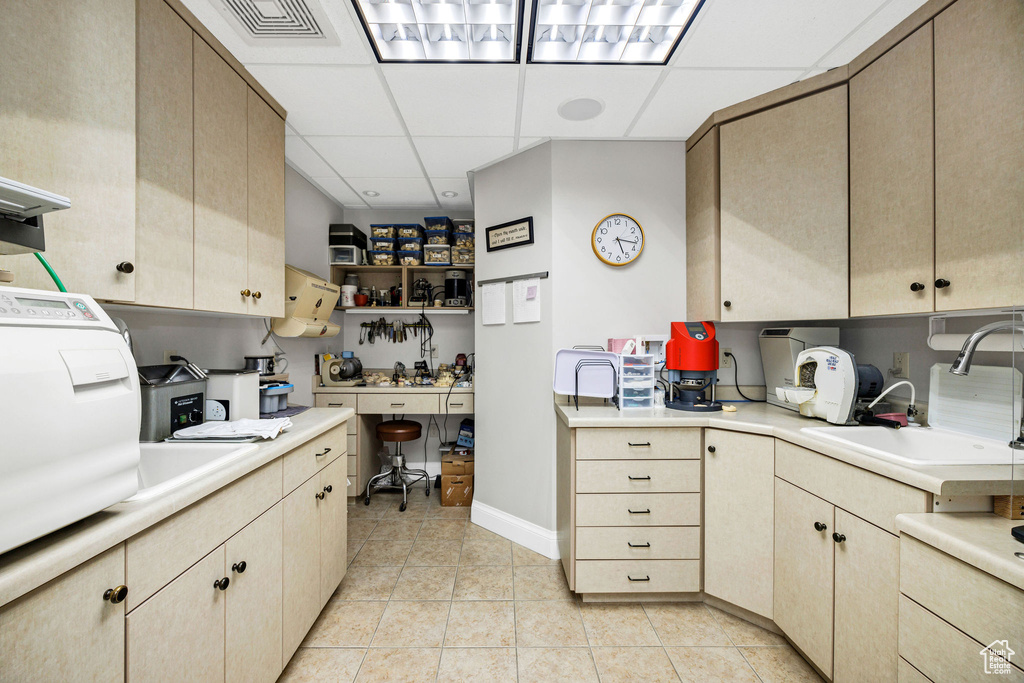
398,476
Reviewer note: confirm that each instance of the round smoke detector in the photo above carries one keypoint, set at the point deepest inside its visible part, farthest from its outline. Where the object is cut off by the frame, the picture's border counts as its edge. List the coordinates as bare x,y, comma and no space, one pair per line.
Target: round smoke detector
580,109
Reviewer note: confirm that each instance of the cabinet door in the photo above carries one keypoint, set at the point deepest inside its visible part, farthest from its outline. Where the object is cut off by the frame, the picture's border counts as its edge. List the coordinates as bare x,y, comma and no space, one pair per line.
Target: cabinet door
784,192
253,612
65,630
703,230
221,199
892,194
266,209
979,154
67,125
804,569
301,565
739,518
333,527
163,188
867,590
178,634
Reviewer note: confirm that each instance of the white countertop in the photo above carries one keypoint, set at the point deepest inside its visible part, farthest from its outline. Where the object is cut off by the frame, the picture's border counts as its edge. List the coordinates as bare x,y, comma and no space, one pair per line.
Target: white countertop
981,539
30,566
769,420
391,390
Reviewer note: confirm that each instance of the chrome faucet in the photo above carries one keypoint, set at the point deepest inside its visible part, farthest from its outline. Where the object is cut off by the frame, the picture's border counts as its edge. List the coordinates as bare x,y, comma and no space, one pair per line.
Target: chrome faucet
962,364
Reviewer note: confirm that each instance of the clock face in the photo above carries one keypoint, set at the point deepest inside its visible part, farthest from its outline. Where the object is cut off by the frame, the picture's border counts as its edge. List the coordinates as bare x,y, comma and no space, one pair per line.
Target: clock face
618,239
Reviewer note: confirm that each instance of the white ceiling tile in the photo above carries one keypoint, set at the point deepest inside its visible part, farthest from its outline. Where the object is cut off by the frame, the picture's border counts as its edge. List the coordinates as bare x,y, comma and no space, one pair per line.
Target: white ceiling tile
395,191
304,158
528,142
331,100
368,157
334,186
622,89
456,99
874,28
688,96
449,157
790,34
461,185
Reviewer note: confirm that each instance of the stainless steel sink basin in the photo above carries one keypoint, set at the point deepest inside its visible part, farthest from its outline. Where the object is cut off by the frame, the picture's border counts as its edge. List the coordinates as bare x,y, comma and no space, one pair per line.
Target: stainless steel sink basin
919,446
165,467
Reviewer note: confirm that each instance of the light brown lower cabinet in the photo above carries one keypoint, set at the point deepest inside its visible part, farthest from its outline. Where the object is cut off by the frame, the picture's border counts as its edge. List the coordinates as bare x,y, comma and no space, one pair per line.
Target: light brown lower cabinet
67,630
333,527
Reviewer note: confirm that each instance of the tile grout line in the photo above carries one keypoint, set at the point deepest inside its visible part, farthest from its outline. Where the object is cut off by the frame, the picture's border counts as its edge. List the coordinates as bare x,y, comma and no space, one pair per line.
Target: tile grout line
643,608
717,621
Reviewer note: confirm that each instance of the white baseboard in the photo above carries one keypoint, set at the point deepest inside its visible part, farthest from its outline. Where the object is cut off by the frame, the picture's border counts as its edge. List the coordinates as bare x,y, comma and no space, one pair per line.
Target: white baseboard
527,534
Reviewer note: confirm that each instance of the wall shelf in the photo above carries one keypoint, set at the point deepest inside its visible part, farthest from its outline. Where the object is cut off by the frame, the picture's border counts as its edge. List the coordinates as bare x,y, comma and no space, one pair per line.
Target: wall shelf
385,277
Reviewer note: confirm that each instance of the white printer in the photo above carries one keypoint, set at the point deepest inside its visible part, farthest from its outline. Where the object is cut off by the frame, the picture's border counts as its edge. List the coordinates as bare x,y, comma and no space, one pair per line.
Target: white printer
70,410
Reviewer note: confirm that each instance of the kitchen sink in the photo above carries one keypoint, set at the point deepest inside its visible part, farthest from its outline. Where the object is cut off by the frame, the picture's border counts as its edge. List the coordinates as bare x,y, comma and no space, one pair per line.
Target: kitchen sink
919,446
164,467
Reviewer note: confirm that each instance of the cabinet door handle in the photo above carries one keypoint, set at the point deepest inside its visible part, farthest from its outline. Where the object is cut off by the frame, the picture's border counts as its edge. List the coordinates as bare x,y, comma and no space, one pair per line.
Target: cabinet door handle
245,292
645,444
711,449
125,267
916,287
640,512
646,578
639,478
320,495
116,595
727,303
838,538
222,584
818,526
238,567
942,283
257,295
397,405
328,488
638,545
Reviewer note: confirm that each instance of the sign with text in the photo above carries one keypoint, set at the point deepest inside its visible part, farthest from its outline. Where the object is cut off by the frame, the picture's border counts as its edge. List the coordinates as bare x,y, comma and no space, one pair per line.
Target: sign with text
511,234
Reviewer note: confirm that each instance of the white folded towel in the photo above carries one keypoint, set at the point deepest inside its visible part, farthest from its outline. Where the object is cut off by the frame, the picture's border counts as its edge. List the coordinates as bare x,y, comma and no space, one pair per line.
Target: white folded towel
236,429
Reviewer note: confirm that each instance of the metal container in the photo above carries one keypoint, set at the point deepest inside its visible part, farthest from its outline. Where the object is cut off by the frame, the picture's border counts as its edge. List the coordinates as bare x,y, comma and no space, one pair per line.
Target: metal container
261,364
173,397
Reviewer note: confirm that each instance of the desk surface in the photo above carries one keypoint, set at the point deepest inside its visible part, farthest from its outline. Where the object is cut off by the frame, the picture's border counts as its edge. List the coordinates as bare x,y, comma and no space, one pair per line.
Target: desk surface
317,389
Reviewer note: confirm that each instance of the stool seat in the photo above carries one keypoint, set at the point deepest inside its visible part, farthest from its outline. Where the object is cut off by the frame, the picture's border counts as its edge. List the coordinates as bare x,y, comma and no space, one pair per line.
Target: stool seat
399,430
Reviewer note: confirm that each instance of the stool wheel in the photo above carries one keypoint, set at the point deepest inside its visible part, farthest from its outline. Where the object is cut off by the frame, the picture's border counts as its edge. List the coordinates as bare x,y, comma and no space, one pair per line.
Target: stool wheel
366,501
401,508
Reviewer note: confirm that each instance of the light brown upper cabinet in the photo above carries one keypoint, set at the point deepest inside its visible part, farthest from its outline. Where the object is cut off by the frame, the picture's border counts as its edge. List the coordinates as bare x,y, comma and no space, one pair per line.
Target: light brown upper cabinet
221,100
784,211
266,209
892,182
703,234
67,125
979,154
163,209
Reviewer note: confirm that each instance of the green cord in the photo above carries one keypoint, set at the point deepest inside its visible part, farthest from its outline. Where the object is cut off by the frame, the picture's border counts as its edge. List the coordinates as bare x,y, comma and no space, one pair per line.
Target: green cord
49,269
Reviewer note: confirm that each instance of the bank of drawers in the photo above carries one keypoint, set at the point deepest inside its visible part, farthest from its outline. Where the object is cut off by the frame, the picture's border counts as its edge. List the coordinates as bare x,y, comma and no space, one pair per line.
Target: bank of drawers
637,510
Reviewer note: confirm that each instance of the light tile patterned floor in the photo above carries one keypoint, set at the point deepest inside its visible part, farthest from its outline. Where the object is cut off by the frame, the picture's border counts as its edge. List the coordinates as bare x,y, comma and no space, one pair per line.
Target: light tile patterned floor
430,596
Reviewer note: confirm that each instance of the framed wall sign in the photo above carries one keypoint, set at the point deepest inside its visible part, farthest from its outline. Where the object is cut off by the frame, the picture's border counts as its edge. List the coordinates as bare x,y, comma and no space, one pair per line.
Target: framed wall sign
511,234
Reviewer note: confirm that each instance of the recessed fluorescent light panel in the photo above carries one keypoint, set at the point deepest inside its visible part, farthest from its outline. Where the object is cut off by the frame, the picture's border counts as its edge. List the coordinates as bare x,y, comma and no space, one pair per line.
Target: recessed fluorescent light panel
443,30
609,31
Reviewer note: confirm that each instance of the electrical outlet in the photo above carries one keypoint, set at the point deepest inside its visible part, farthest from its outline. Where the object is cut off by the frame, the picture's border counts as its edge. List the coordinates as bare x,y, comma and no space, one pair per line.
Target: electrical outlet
433,351
168,354
901,365
724,361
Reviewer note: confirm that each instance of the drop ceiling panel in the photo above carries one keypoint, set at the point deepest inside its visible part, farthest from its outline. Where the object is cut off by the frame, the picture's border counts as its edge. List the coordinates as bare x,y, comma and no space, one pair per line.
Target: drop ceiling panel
395,191
368,157
331,100
874,28
790,34
456,100
464,200
334,186
450,157
622,89
688,96
305,159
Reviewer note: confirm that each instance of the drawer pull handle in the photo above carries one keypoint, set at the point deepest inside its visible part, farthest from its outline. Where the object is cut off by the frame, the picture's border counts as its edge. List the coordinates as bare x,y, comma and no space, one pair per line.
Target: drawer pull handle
397,405
646,578
222,584
646,444
336,405
116,595
640,512
838,538
638,545
326,451
455,405
818,526
639,478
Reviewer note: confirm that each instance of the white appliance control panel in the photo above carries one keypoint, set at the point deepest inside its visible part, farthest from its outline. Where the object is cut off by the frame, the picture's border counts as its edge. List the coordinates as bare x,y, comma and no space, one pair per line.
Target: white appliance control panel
34,307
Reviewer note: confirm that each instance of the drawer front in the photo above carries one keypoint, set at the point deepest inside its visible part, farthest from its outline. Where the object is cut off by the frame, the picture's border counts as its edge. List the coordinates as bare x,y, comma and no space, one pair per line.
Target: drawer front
638,476
408,404
637,509
352,471
308,459
336,401
941,652
978,604
865,494
641,543
643,443
331,445
908,674
458,403
637,576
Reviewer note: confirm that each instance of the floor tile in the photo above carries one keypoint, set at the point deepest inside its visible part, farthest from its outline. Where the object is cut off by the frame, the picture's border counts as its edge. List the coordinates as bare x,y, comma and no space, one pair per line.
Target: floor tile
481,624
368,583
541,583
451,512
396,530
617,625
525,556
415,510
478,533
685,624
345,623
405,664
313,665
484,583
412,624
353,549
648,664
699,664
565,665
477,665
743,633
779,664
360,529
443,528
425,583
486,553
383,554
375,510
541,623
434,552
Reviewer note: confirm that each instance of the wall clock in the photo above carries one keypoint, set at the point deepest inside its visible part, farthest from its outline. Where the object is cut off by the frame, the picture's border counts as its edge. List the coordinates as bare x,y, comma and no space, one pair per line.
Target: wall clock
617,239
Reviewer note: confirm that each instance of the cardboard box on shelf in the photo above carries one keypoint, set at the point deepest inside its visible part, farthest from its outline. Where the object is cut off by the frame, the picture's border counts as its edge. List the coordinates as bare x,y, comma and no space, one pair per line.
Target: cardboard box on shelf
457,464
456,490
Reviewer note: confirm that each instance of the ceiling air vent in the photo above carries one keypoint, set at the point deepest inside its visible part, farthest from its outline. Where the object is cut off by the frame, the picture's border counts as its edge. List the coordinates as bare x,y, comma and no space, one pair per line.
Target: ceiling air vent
269,22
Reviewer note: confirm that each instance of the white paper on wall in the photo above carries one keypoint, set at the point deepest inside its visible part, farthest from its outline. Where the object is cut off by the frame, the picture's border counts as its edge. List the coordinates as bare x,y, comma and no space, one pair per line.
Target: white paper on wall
492,297
526,301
